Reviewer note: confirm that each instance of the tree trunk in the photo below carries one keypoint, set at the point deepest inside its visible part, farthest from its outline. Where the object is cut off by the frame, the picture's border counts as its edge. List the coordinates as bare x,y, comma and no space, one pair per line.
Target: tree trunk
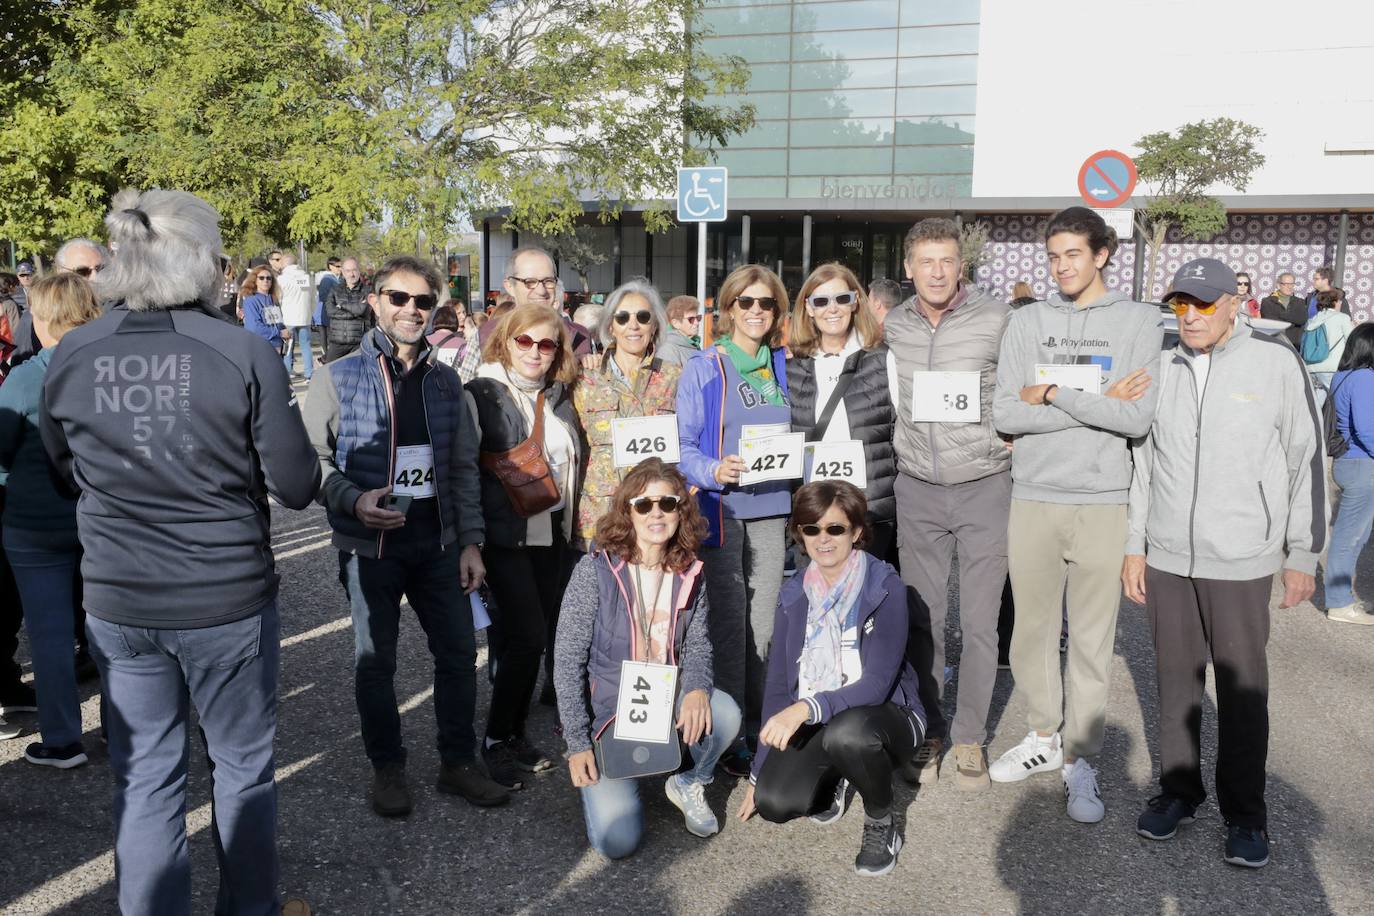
1158,231
586,286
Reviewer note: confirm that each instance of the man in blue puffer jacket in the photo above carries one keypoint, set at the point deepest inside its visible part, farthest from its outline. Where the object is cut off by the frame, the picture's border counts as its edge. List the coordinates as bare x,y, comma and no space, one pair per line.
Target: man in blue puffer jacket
401,487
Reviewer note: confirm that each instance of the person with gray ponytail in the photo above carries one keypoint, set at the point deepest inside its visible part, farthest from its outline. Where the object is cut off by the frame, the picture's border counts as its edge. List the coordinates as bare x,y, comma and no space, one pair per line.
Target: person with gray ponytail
174,426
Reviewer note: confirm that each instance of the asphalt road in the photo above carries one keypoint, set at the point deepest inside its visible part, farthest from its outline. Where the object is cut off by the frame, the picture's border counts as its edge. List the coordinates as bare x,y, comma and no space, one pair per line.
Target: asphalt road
1009,849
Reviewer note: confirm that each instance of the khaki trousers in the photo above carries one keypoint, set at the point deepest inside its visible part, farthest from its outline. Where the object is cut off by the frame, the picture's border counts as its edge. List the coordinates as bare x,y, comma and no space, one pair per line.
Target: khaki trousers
1051,546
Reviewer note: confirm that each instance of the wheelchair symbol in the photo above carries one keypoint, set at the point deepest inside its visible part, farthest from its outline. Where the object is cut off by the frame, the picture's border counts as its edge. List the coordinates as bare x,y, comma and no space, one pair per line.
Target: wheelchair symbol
702,194
698,202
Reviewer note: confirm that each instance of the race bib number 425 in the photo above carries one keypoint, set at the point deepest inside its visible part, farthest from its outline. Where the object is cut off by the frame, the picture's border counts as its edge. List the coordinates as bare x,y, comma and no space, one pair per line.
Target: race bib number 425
414,471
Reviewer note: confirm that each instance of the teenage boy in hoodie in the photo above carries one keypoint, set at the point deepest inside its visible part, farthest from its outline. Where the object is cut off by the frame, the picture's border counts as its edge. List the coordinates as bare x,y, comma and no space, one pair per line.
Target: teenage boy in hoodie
1072,387
1205,541
952,487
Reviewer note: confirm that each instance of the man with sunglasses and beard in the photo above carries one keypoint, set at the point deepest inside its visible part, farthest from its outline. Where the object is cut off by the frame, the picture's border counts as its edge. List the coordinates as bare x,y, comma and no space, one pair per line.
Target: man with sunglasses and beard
79,256
1203,544
401,487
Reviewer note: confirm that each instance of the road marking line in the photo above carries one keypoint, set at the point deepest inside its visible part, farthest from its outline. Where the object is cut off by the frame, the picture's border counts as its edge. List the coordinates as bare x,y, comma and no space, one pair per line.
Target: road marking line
308,548
334,626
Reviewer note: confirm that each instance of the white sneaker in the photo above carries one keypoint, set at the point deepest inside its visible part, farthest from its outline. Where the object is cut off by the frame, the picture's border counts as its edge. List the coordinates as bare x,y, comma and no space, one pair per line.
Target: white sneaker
690,799
1080,793
1033,755
1351,613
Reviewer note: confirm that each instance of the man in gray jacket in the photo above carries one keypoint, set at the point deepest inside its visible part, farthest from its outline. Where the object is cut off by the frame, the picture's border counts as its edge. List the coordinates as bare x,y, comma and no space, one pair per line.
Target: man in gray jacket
952,485
1229,488
1072,387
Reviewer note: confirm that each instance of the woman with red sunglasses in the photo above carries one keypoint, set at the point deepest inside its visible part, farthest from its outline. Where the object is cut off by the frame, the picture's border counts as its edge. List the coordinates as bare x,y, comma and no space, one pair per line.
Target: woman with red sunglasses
530,473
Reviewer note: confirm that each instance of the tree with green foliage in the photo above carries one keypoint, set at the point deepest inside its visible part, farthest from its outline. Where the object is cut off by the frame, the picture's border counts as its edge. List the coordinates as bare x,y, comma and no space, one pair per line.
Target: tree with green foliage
1182,167
308,119
579,249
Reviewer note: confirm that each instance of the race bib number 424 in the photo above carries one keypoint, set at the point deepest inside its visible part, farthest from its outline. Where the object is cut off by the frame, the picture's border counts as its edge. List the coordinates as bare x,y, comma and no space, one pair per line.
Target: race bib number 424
414,472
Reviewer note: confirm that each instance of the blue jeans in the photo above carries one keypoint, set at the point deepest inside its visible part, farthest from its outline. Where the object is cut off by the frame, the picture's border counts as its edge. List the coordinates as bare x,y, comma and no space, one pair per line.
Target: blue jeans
1350,530
428,577
45,567
229,672
615,817
300,342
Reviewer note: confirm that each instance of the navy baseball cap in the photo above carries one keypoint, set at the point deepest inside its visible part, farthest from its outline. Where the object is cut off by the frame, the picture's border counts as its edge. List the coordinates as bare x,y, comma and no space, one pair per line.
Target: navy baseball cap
25,267
1205,279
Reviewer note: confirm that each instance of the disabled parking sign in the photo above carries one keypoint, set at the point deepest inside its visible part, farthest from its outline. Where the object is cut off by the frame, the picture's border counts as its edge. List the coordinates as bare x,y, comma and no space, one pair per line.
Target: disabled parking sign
1107,179
701,194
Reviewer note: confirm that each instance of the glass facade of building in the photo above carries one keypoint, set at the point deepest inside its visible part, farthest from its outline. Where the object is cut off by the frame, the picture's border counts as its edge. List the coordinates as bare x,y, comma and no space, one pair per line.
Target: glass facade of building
852,97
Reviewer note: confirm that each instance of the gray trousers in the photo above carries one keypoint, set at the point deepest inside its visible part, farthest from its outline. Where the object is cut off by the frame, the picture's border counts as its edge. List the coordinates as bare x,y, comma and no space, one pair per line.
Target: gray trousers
152,679
743,577
931,520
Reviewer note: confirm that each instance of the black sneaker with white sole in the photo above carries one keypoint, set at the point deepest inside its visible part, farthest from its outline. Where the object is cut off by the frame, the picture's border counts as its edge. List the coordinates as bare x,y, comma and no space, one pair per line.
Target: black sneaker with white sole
527,756
1247,847
501,764
1162,817
63,758
9,730
881,843
837,806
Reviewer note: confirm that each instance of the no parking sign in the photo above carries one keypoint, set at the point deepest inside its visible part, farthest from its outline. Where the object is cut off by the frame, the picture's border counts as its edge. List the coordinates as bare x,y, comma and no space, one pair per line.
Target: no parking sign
1107,179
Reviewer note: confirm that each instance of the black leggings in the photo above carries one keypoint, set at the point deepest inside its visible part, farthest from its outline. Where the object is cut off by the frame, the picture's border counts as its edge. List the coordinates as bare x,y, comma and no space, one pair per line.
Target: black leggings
527,583
862,744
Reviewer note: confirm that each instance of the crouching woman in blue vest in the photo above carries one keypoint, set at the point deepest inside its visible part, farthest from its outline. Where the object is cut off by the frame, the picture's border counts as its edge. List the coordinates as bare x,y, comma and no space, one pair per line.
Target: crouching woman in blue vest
840,704
639,596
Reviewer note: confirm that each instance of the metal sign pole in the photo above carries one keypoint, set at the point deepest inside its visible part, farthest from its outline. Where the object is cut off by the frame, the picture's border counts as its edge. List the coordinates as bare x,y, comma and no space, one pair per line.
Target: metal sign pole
701,272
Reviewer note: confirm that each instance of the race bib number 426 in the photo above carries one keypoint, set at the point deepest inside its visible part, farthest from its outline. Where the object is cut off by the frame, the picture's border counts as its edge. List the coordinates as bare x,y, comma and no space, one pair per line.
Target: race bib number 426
635,438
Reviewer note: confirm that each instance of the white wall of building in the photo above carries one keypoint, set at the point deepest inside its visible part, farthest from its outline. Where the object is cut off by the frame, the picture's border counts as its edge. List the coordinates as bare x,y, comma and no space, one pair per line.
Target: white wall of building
1061,79
670,269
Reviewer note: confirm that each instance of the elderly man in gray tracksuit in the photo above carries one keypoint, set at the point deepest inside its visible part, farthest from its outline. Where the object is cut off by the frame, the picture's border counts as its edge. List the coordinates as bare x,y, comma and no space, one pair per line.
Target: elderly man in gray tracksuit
1229,489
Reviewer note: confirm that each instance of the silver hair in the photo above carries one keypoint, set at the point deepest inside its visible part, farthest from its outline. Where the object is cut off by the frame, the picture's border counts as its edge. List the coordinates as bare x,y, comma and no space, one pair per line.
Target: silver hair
60,259
638,286
169,245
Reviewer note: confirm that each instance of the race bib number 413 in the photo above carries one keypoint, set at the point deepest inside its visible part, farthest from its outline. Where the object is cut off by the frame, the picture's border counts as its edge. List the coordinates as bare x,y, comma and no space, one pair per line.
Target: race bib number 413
644,709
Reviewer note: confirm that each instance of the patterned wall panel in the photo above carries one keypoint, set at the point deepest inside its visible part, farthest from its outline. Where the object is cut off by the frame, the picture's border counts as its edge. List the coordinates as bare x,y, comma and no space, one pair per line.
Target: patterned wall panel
1264,244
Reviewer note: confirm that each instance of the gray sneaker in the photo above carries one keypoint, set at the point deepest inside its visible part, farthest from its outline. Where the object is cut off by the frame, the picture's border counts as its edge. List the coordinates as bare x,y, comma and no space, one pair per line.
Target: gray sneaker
690,799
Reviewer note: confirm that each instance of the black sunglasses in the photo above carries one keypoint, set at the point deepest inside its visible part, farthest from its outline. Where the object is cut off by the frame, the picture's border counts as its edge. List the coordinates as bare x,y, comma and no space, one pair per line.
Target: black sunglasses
834,531
267,277
645,504
424,302
643,317
88,271
767,303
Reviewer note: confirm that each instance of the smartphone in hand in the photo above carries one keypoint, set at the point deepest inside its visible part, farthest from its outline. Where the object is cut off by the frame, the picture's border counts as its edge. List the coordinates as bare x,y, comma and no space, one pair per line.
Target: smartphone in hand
397,502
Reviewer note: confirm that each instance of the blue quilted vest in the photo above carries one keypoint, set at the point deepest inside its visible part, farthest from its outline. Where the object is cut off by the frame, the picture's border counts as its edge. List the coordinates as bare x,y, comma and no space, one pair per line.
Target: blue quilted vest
365,449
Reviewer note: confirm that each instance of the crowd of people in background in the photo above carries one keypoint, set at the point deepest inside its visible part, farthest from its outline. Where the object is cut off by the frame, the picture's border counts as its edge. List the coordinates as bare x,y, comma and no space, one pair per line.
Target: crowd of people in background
764,517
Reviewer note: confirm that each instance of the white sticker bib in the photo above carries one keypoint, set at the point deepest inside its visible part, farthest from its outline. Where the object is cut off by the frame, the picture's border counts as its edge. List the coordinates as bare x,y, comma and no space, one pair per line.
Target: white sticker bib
635,438
839,461
772,458
1083,376
644,709
946,397
414,471
271,314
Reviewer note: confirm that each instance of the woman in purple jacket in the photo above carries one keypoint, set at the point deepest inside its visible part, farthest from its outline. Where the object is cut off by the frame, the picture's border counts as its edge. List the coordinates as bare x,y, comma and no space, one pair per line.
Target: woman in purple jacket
841,705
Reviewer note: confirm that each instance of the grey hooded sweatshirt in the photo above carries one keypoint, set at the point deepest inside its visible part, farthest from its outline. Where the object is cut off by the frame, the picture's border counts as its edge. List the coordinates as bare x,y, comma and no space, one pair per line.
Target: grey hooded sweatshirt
1075,451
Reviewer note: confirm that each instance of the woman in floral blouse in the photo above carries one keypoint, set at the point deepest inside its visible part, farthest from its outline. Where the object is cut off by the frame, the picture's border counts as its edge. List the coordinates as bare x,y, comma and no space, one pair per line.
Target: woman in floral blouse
629,381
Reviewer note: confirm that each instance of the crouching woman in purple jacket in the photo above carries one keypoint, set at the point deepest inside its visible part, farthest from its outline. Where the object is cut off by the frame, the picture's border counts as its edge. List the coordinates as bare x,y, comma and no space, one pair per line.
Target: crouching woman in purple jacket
840,704
640,597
